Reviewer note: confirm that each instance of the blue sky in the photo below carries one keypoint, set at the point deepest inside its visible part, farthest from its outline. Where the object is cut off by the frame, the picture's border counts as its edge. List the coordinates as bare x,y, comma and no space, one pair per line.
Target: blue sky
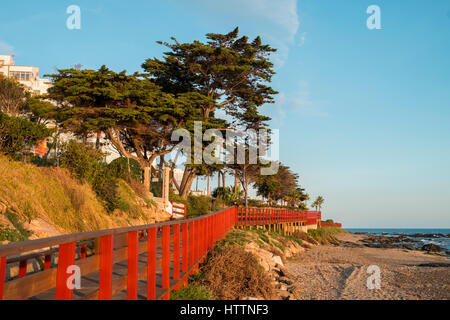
363,114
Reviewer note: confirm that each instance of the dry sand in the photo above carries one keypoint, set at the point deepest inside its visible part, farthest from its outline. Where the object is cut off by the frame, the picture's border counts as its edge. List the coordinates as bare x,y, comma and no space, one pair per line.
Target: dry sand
340,272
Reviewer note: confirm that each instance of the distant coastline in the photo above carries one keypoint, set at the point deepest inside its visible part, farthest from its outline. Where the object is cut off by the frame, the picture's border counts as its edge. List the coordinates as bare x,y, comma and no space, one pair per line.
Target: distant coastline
400,230
408,237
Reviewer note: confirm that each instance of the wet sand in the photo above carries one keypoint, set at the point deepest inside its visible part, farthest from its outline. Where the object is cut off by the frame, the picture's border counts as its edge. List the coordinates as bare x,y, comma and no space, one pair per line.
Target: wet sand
340,272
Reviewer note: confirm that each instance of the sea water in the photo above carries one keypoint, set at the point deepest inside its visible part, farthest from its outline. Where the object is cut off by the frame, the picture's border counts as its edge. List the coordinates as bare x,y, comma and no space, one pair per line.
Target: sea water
443,242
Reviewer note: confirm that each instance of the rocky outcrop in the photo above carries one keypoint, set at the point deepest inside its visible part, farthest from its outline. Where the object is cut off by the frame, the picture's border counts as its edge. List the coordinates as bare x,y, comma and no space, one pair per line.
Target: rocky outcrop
272,260
432,248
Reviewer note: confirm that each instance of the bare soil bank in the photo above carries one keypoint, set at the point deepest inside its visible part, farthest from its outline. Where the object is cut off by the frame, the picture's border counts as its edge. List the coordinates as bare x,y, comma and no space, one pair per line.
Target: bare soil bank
340,272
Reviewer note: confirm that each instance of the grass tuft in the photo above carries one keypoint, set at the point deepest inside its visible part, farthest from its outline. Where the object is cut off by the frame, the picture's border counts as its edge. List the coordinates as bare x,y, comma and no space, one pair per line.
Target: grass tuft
192,292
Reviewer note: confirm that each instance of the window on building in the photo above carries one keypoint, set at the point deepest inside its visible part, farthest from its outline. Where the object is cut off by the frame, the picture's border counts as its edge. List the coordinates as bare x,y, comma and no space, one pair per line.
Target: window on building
22,76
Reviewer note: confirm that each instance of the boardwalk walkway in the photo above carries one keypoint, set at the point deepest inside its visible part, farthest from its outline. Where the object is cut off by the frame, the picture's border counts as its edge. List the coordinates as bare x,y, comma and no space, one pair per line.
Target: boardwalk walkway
141,262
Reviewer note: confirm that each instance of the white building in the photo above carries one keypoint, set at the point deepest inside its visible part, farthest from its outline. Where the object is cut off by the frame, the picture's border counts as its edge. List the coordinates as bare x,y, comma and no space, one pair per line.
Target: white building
26,75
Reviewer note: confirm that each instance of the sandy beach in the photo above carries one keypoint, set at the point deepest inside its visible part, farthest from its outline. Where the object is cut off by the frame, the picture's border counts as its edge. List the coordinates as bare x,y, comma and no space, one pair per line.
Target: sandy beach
339,272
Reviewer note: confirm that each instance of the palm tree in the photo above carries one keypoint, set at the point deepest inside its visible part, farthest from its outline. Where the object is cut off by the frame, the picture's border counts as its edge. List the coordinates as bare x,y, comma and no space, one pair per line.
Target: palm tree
315,205
318,203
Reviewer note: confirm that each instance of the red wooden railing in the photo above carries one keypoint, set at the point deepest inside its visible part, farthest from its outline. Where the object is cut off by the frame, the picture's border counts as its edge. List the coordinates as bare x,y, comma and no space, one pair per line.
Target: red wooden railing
331,224
161,255
261,216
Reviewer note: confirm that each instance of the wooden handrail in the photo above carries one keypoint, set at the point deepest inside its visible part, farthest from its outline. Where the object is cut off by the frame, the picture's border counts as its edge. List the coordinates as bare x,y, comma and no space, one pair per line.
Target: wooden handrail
27,246
183,244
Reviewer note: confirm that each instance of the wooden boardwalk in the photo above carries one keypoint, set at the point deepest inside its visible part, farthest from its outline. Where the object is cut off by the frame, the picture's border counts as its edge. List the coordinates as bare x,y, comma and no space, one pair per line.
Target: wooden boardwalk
90,282
141,262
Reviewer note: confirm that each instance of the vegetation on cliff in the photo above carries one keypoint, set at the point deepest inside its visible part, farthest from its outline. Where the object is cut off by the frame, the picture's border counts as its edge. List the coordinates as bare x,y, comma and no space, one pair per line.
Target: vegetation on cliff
50,201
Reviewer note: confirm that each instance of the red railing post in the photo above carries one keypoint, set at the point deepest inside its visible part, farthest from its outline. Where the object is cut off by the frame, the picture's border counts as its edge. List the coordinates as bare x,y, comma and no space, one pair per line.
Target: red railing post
191,244
106,267
211,232
151,264
47,261
132,275
207,234
166,260
202,238
197,241
184,262
2,275
23,268
214,229
83,251
176,252
66,258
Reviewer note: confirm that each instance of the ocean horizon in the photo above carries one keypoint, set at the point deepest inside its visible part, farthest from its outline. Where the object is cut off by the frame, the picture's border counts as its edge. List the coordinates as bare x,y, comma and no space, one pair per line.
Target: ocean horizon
443,242
401,230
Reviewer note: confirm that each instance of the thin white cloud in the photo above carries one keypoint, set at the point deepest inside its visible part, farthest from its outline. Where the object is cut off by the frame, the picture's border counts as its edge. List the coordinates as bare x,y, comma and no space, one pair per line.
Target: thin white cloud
280,109
277,21
301,102
6,48
302,39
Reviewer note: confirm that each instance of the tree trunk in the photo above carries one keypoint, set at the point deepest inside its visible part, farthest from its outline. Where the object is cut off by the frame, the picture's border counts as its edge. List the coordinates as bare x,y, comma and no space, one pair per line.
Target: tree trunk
161,166
246,188
147,177
223,180
246,197
236,182
218,180
187,186
97,141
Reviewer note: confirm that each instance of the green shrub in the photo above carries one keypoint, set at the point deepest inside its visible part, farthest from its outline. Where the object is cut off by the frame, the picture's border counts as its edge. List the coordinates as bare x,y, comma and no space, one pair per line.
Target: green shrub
125,168
17,134
177,198
325,235
127,200
86,163
20,230
227,195
235,237
192,292
156,188
106,190
83,161
198,205
11,235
